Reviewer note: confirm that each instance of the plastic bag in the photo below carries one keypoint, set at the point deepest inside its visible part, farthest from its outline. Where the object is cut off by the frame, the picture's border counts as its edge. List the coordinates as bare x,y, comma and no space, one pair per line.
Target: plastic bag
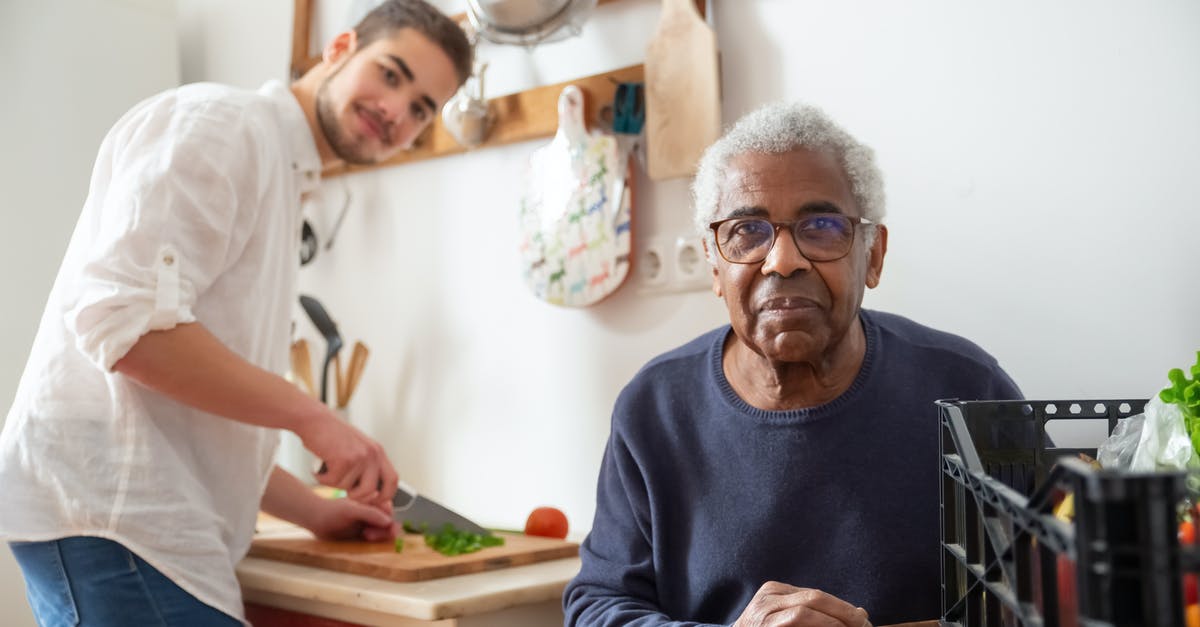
1116,452
1151,441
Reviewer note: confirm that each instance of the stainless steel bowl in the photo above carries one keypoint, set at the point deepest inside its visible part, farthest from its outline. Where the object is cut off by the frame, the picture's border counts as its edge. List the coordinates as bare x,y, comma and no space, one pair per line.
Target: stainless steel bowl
528,22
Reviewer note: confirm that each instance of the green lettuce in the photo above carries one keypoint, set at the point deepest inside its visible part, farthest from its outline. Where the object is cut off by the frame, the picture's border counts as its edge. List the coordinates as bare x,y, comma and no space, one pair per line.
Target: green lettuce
1185,393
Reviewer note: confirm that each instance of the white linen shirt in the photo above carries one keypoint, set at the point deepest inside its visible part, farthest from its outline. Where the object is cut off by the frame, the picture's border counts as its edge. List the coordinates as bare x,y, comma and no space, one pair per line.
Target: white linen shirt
193,214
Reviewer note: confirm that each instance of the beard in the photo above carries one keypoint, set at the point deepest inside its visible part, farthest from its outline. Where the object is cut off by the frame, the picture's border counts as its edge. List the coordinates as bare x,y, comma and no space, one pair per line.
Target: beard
346,148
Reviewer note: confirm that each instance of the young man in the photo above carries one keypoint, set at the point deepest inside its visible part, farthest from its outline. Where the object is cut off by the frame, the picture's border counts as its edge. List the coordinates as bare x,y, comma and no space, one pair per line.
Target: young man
139,447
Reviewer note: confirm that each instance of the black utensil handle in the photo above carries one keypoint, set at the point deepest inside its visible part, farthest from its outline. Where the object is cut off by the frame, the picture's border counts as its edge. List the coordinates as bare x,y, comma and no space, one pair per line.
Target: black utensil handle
325,381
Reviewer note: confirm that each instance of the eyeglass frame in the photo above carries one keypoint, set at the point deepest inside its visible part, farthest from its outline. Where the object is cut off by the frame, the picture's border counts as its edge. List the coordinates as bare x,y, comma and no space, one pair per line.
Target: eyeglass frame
790,226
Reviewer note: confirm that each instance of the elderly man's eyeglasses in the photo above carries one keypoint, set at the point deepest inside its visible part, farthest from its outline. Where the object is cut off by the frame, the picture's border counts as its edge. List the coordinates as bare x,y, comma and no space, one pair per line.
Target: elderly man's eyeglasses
818,236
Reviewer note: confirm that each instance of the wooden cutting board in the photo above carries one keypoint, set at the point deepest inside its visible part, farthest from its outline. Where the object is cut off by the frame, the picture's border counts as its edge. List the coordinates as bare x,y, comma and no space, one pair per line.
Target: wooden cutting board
683,96
417,562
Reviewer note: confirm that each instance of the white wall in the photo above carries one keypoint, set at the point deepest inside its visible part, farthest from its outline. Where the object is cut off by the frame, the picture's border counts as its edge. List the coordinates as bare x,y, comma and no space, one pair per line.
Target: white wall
234,42
1040,160
1040,165
67,78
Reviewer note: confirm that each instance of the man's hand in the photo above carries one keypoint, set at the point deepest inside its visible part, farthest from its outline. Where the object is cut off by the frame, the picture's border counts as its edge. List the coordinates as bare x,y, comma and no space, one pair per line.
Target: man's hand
353,461
345,519
288,498
189,364
780,605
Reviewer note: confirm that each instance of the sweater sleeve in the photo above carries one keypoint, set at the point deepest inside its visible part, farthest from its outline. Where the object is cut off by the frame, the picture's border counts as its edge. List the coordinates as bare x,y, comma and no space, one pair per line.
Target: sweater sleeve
616,585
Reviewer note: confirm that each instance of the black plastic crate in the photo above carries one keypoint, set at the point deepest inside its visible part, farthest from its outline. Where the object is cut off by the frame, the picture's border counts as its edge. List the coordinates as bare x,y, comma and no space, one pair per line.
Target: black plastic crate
1002,548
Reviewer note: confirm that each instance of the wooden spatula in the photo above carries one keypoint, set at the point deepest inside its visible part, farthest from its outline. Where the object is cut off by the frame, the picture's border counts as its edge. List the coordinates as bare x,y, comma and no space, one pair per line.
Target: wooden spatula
339,381
683,96
358,361
302,365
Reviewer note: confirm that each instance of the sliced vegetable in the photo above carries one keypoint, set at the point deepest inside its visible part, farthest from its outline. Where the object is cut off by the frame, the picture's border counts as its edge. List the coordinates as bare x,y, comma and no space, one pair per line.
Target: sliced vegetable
451,540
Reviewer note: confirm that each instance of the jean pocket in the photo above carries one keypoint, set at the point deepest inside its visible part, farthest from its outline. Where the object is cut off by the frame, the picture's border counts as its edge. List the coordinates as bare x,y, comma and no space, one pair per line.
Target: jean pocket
46,585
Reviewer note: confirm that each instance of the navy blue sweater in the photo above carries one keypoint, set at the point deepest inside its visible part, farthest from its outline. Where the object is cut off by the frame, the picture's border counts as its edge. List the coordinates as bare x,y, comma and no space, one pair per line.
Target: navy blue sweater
703,498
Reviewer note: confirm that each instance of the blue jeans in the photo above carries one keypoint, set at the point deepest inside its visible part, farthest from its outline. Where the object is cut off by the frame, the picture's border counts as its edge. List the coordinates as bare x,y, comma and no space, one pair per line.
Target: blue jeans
93,581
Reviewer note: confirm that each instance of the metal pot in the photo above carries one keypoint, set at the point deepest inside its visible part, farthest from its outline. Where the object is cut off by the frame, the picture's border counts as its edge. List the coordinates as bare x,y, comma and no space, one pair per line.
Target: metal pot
528,22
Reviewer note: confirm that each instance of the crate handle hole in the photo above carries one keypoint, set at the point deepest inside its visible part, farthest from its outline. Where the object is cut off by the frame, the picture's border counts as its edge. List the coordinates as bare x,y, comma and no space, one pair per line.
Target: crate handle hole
1075,408
1051,408
1124,408
1099,408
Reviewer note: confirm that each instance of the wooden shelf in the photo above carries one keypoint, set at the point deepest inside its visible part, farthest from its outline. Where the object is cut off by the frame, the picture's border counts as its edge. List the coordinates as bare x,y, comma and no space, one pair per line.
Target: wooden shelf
303,60
522,116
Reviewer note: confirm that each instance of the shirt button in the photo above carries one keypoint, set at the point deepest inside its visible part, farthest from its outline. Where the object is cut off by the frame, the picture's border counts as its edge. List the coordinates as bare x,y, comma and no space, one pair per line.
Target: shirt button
168,259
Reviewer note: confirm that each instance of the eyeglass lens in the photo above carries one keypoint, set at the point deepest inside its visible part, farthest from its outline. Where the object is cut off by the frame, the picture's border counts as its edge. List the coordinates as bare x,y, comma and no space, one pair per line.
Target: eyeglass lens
820,237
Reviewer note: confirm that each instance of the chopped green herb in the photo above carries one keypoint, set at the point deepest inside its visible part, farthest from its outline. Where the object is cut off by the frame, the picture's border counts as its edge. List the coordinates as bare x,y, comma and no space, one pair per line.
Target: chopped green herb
452,540
399,544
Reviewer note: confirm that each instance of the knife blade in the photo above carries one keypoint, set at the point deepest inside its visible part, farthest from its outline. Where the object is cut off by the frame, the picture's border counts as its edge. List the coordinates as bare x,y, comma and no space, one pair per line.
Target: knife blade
408,505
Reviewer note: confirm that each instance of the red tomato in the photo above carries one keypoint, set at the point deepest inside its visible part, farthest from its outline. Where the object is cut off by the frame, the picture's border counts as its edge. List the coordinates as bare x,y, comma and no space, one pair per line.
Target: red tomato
1187,532
548,522
1189,589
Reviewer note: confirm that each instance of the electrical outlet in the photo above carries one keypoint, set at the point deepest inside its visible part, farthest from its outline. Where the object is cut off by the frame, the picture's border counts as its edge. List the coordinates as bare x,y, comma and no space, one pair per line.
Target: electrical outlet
670,265
692,271
653,266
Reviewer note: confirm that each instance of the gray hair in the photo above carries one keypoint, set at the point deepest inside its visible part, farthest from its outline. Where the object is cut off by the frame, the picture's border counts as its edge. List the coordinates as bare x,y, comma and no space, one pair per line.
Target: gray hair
784,127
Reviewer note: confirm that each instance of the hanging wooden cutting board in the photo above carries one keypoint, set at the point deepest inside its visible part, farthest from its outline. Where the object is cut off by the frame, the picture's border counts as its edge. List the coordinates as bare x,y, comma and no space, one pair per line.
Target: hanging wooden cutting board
417,562
683,97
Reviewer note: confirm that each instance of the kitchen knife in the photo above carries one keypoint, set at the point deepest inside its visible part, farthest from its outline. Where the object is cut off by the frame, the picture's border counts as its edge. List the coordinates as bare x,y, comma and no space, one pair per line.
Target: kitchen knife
419,510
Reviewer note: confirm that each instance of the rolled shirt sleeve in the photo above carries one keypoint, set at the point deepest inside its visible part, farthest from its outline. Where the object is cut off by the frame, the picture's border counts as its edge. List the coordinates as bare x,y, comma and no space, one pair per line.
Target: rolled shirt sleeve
167,225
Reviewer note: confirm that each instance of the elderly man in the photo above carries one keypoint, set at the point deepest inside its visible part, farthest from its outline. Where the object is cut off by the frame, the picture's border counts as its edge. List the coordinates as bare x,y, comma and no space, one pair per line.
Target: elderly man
781,470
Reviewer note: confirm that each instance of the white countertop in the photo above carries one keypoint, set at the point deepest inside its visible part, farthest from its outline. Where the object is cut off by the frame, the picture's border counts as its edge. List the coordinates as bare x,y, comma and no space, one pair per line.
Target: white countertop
366,599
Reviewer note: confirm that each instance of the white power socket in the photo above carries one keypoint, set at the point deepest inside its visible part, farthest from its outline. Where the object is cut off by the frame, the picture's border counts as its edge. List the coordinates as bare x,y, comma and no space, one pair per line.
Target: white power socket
653,271
672,265
692,271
